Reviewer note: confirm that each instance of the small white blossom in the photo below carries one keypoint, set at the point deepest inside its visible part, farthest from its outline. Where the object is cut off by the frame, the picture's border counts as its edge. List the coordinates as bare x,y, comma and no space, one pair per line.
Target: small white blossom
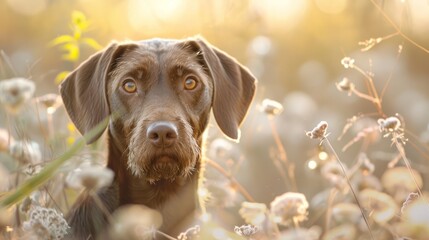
246,230
46,223
345,85
90,177
50,101
348,62
319,132
289,207
26,152
271,107
15,92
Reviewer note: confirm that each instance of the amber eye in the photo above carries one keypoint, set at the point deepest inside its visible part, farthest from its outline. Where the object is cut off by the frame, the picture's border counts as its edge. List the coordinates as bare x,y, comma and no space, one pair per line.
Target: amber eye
129,86
190,83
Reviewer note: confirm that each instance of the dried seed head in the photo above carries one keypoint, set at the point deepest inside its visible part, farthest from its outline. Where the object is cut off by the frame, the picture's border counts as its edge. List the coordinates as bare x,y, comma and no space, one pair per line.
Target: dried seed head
46,223
190,233
348,62
253,213
51,101
90,177
271,107
289,207
246,230
390,124
319,132
135,222
412,197
15,92
344,85
25,152
383,207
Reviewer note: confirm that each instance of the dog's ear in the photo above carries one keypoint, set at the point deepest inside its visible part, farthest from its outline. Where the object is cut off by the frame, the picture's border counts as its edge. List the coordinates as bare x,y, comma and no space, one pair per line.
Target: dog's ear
84,90
234,88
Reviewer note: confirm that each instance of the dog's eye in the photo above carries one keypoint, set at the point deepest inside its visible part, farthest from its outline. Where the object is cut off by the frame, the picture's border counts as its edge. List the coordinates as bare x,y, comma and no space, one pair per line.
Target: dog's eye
129,86
190,83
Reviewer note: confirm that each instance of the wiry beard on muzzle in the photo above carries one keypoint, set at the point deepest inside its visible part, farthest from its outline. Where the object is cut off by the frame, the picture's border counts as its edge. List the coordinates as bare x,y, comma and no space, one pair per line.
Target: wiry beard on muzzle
154,164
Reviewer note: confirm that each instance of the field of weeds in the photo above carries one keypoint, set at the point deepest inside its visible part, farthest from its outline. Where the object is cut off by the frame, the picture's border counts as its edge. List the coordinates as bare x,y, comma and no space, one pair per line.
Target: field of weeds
335,145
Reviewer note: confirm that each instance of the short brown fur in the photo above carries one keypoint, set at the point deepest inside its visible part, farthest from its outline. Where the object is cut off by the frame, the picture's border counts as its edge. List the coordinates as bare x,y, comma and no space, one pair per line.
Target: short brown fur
154,145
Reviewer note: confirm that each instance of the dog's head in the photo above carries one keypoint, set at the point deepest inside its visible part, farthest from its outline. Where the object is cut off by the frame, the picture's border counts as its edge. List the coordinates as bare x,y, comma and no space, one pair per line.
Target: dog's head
159,93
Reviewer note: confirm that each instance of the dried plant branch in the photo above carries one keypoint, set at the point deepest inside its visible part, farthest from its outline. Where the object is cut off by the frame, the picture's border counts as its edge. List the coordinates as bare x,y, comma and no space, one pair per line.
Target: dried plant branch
397,28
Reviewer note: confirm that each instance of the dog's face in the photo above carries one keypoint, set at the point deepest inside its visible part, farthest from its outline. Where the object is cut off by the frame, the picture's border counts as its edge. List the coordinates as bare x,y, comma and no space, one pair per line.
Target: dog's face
161,93
165,94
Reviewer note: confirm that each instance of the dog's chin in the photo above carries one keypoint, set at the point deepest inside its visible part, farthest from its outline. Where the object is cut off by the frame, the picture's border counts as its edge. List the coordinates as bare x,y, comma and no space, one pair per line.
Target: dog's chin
164,168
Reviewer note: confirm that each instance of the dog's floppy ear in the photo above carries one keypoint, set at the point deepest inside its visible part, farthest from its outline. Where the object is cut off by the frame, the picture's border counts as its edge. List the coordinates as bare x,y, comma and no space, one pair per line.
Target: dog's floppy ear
234,88
84,90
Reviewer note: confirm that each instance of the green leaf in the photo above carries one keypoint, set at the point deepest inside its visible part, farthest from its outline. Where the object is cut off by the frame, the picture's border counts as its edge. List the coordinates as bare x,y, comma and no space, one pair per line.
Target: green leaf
63,39
61,76
92,43
51,168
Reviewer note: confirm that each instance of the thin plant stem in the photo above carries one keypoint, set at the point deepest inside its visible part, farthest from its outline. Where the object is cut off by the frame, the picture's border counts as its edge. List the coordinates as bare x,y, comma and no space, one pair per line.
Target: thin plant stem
372,90
165,235
233,181
283,155
397,28
328,143
363,95
331,198
401,150
101,205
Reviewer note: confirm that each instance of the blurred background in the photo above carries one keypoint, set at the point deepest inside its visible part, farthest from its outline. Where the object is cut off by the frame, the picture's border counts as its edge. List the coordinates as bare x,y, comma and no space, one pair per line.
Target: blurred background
293,47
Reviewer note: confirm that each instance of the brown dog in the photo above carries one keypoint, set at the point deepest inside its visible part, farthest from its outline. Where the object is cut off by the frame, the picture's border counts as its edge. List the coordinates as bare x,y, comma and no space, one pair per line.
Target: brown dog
162,92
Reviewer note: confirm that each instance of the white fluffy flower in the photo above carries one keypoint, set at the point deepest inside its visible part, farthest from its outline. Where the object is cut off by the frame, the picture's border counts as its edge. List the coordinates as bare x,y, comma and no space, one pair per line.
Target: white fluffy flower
91,178
26,152
15,92
289,207
46,223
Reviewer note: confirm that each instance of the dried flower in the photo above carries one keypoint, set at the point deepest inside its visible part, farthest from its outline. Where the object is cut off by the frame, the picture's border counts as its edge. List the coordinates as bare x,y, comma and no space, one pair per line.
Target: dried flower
26,205
369,43
15,92
412,197
51,101
253,213
399,183
289,207
346,212
46,223
135,222
341,232
189,233
345,85
415,222
32,169
26,152
382,206
319,132
271,107
348,62
90,177
390,124
246,230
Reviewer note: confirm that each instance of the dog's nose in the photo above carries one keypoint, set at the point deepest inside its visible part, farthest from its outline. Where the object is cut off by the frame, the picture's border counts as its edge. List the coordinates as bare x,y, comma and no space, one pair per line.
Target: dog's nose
162,134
